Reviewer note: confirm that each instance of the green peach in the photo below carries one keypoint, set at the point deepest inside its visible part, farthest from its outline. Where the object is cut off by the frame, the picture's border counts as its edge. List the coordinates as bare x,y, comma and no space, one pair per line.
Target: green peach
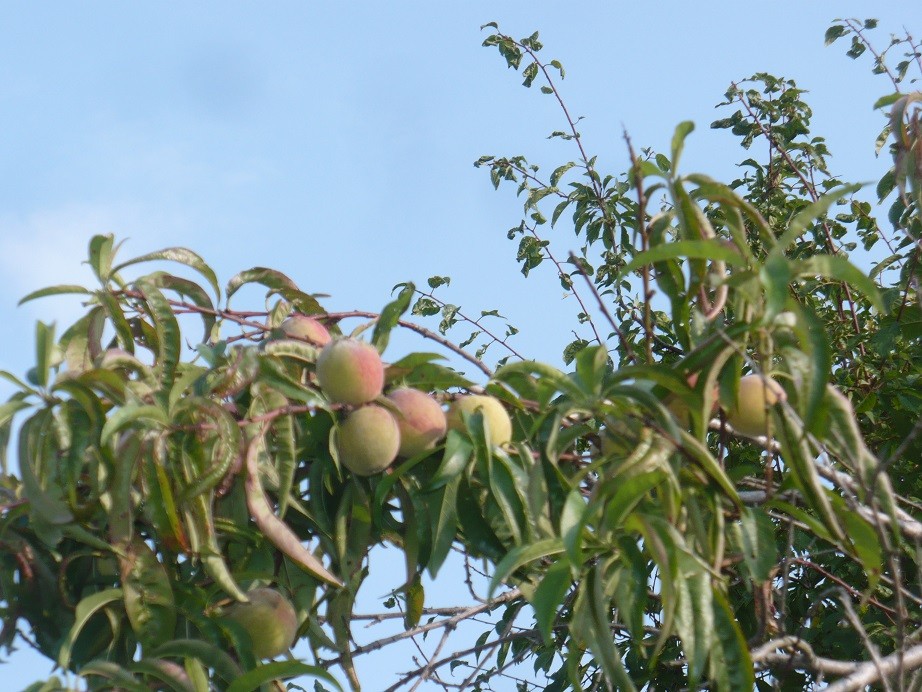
421,421
749,414
495,418
350,371
679,409
368,440
269,619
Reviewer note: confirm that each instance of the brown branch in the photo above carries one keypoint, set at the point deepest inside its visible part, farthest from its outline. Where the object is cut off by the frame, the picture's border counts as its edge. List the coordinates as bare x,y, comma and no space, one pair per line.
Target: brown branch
628,351
644,246
854,26
862,674
453,621
458,654
422,331
496,340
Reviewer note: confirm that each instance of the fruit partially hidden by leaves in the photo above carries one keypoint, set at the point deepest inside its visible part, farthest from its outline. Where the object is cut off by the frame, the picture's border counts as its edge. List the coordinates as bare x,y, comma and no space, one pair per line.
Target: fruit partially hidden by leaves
749,415
421,420
679,408
350,371
306,328
618,436
368,440
269,619
495,418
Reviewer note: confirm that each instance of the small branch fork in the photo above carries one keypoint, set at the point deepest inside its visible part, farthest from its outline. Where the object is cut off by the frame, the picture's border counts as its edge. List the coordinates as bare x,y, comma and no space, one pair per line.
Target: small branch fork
450,623
857,674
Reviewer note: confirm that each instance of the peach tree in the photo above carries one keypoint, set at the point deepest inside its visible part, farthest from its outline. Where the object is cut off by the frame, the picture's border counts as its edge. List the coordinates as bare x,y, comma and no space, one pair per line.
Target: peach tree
716,488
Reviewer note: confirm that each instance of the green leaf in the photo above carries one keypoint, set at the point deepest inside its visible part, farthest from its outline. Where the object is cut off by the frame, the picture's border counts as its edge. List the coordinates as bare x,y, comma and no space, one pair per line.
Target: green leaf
478,534
117,316
114,359
292,348
548,374
445,527
776,275
148,595
279,670
801,460
682,131
121,678
627,494
834,32
101,255
815,344
183,256
169,339
390,316
699,453
572,521
456,458
54,291
160,506
598,614
270,278
276,530
130,414
733,659
203,541
44,497
839,268
522,555
758,542
191,291
82,341
223,665
810,213
86,609
549,596
166,672
887,100
224,450
711,249
866,545
44,352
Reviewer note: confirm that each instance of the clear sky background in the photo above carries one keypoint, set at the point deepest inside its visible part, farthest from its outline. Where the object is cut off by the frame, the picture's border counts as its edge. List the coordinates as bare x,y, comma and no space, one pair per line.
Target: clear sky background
335,142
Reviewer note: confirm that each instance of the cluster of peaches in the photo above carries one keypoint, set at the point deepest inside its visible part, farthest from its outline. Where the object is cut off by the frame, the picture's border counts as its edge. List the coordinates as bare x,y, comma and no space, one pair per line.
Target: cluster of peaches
376,429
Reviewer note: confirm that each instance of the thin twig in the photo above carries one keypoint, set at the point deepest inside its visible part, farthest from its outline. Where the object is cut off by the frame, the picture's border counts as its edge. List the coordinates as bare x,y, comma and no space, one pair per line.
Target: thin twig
628,351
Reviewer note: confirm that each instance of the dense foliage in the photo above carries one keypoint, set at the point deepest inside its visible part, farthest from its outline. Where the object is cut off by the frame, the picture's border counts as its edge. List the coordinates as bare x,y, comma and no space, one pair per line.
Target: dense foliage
176,451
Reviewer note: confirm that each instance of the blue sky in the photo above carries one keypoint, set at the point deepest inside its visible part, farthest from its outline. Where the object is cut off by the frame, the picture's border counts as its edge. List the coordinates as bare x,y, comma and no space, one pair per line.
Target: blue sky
335,142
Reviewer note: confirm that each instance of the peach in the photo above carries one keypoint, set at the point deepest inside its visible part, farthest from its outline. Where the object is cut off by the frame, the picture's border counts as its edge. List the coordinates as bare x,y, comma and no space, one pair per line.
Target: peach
679,409
368,440
307,329
749,414
269,619
350,371
421,421
495,418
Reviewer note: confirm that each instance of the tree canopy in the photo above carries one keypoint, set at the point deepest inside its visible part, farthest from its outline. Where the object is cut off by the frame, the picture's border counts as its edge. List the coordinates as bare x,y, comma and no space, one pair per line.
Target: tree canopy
717,487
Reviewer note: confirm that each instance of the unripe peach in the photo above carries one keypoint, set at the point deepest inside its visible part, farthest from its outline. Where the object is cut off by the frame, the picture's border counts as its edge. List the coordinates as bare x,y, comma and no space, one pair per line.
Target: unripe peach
350,371
679,409
306,328
367,440
269,619
749,415
495,418
422,422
